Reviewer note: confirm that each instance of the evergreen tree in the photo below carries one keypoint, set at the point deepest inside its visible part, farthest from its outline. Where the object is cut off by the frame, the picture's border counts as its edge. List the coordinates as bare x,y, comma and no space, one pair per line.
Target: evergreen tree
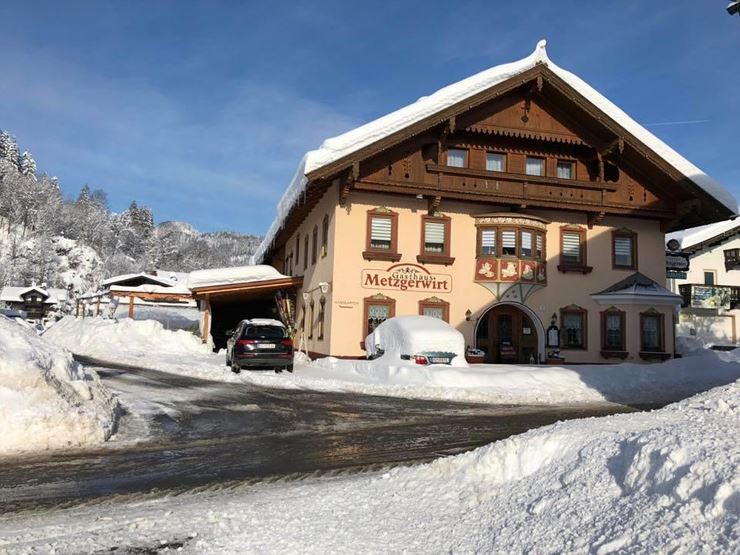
27,165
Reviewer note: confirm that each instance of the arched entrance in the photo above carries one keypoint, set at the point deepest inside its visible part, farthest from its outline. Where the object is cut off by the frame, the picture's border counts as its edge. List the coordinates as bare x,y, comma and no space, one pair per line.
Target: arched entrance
510,333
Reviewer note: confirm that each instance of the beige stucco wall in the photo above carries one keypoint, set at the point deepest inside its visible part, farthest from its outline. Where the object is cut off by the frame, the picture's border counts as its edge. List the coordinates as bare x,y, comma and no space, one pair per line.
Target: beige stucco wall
711,259
348,242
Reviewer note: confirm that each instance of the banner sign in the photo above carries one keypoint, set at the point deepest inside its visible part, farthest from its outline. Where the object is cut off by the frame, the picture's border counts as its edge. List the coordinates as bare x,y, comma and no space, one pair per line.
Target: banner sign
708,296
406,277
676,262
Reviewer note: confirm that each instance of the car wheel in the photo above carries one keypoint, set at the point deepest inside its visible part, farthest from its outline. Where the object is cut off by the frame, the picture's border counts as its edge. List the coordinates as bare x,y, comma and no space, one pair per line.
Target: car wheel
235,369
278,370
289,368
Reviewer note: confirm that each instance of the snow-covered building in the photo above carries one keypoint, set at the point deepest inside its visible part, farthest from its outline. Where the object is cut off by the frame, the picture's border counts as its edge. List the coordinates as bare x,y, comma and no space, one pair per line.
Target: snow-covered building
512,202
711,288
35,301
154,295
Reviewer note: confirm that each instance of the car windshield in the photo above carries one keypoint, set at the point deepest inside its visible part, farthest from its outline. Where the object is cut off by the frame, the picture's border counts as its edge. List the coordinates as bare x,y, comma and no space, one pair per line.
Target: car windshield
264,332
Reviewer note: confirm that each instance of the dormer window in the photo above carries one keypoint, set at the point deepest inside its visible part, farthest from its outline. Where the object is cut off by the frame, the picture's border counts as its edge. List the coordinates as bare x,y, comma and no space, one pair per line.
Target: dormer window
565,169
535,166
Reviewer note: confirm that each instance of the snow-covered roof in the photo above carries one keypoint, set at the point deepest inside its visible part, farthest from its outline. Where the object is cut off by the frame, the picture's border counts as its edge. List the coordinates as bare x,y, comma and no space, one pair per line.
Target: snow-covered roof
235,275
338,147
173,282
688,238
15,294
637,289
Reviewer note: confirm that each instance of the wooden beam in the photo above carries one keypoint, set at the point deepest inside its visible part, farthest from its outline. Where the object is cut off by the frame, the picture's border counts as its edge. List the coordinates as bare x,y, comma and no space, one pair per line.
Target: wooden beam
594,218
206,319
433,204
131,307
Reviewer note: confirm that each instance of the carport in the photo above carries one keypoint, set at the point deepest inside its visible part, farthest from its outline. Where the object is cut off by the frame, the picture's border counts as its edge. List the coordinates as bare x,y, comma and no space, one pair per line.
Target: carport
227,295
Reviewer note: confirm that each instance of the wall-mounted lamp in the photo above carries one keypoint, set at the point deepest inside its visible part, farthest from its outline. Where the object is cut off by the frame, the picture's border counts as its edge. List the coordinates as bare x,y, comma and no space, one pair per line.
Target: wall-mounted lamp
468,314
306,296
324,287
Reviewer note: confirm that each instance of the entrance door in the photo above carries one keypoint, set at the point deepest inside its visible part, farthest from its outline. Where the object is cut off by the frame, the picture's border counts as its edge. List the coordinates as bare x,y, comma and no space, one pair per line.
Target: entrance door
508,336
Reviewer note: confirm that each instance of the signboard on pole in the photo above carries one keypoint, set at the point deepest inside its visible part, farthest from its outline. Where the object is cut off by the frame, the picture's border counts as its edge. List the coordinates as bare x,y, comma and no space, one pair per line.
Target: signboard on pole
676,262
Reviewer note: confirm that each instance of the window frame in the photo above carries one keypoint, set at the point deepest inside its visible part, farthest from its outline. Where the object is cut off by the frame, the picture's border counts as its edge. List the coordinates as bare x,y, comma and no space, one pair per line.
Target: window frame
571,164
500,248
434,302
480,228
624,233
314,244
713,273
606,350
660,352
297,250
305,253
443,257
466,157
532,244
367,302
322,317
310,318
583,313
325,236
371,253
569,266
542,159
505,160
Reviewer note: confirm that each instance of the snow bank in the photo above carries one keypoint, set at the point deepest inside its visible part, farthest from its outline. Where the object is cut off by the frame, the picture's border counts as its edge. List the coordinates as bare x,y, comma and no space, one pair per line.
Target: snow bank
237,274
148,344
47,401
116,339
660,482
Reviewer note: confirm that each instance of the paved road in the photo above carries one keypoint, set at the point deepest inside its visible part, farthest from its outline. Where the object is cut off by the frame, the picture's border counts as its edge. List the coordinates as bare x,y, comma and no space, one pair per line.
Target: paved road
180,433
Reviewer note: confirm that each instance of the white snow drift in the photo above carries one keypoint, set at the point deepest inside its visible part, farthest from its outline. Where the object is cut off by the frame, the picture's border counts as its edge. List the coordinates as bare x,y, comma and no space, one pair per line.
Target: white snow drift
47,401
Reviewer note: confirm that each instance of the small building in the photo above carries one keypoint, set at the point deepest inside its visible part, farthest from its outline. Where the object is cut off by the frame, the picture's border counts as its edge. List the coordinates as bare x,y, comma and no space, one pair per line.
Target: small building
156,295
35,302
710,290
516,201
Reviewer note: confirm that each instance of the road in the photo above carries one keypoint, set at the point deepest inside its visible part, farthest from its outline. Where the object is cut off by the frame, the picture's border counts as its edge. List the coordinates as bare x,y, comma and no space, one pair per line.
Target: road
178,433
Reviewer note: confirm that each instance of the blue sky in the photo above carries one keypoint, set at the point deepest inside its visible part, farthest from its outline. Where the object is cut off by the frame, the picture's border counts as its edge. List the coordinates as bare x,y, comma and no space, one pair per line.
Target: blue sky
202,110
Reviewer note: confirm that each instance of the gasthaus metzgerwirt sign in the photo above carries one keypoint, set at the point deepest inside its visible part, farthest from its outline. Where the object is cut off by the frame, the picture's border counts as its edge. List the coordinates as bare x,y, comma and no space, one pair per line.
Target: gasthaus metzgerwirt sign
406,277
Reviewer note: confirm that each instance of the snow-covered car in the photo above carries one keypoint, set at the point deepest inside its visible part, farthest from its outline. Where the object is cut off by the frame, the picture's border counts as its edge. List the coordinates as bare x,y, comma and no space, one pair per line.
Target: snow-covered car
259,343
417,339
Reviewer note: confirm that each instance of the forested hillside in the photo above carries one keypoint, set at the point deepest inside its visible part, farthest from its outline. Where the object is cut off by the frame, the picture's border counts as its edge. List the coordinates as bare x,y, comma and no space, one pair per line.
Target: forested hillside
77,242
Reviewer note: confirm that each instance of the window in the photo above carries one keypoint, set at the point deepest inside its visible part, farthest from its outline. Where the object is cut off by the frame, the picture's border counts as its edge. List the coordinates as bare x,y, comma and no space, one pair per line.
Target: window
624,250
435,308
310,320
709,277
573,250
526,244
651,332
573,326
613,332
325,236
535,166
314,244
457,157
487,241
565,169
297,250
305,252
322,315
495,162
382,233
539,246
435,240
378,309
508,242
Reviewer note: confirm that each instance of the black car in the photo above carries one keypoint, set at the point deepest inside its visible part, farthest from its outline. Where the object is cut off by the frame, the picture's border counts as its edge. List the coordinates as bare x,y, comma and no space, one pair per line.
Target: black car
259,343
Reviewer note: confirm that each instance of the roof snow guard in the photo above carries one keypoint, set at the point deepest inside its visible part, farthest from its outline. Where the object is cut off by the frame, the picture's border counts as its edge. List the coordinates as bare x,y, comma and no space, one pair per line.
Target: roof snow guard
637,289
336,150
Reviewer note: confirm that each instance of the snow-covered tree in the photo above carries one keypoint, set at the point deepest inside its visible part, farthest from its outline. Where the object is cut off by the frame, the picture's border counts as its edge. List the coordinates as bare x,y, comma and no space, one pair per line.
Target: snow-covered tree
27,165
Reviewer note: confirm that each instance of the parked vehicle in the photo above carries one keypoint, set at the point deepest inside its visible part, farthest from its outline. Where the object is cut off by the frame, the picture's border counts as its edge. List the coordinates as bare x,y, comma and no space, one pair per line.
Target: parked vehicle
419,340
259,343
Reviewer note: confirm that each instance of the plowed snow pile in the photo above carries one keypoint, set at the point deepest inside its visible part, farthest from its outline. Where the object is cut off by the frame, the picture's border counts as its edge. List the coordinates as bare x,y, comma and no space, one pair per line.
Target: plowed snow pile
47,400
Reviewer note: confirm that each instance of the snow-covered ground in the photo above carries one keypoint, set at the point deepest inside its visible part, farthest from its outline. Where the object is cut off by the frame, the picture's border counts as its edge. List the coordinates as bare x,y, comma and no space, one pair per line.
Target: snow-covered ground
148,344
48,401
660,482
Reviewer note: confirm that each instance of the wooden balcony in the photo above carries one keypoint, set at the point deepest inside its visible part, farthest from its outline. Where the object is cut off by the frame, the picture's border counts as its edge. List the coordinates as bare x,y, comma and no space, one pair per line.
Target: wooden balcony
709,296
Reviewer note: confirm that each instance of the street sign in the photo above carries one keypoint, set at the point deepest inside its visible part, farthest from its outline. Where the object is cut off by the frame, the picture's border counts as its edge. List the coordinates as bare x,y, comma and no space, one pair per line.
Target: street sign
676,262
671,274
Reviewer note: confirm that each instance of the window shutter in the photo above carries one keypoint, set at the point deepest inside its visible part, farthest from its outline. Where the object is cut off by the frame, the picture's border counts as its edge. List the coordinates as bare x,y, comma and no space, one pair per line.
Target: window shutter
572,246
488,241
623,251
380,229
508,239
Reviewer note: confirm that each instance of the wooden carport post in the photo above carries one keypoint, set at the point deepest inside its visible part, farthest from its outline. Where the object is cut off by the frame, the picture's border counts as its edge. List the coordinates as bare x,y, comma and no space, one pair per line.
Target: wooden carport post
206,318
131,306
77,308
97,309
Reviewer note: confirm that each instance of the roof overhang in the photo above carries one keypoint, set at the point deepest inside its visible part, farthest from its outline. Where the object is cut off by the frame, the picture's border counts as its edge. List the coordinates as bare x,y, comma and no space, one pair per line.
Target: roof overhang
247,288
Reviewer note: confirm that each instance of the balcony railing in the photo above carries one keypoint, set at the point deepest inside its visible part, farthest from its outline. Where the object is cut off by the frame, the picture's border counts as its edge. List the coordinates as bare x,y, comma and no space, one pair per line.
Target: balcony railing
709,296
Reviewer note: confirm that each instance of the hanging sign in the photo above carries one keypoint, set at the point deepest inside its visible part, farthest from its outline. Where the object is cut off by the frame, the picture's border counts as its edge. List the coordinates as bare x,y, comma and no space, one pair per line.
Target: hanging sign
676,262
406,277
